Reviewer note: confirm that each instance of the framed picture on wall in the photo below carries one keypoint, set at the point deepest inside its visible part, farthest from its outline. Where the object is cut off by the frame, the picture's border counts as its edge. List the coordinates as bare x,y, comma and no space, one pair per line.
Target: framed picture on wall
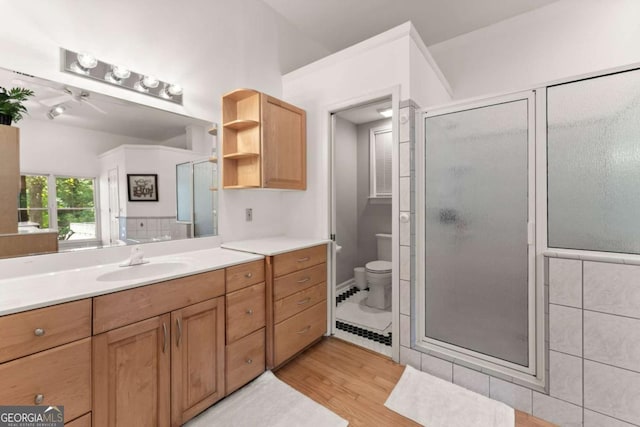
143,187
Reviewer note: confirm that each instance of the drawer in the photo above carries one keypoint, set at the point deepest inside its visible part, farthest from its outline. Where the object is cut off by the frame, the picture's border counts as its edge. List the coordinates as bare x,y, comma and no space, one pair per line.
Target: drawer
126,307
298,260
298,331
245,360
62,376
241,276
36,330
245,311
83,421
295,282
300,301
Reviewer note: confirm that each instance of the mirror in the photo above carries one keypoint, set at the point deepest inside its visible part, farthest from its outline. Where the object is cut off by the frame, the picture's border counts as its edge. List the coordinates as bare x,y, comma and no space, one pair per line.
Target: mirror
98,171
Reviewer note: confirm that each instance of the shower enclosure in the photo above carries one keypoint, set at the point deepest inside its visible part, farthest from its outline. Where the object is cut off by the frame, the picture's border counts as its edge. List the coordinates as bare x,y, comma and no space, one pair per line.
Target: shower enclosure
197,197
476,260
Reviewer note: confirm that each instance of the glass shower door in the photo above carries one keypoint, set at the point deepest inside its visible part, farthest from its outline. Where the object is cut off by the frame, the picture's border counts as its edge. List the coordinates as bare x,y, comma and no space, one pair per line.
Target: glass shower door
478,262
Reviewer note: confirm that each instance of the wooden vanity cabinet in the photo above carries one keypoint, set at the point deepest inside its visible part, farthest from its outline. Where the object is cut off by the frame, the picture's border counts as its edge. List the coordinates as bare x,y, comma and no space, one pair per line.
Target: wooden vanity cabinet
298,302
162,370
46,358
264,142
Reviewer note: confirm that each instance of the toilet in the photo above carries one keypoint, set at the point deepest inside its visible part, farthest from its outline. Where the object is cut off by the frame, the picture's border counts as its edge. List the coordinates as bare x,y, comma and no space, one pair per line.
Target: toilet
378,275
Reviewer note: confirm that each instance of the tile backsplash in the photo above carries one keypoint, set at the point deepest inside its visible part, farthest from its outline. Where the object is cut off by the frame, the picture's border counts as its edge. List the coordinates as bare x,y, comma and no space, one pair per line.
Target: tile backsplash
143,229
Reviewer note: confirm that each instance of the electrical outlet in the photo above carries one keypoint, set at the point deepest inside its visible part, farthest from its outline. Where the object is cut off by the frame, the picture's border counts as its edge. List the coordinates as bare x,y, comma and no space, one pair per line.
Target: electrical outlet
248,214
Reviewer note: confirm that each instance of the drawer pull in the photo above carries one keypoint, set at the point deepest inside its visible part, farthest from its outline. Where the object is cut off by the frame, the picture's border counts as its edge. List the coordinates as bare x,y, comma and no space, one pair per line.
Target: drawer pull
304,330
38,399
249,361
249,311
179,325
38,332
304,280
304,301
248,275
305,259
164,345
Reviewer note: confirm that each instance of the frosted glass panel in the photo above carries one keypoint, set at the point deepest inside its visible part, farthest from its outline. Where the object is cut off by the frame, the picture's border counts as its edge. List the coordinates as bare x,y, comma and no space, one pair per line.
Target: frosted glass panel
476,213
183,192
594,164
203,202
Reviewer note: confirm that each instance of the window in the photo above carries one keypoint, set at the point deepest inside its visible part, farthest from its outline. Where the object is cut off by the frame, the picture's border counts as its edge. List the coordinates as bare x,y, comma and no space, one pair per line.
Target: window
380,148
63,203
594,164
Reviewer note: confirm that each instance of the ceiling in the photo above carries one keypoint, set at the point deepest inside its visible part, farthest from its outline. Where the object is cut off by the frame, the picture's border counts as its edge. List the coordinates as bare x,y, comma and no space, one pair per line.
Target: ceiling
337,24
365,113
96,111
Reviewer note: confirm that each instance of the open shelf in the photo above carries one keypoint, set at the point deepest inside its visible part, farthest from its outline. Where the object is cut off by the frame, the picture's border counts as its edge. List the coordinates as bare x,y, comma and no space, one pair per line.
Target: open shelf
241,124
241,155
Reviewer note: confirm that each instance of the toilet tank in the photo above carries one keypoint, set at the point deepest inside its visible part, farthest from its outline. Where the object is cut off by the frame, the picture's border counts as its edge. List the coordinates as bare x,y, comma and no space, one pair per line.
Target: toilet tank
384,246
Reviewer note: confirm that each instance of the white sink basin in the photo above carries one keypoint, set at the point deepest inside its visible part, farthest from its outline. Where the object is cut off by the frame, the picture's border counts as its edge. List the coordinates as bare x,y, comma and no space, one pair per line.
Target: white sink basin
142,271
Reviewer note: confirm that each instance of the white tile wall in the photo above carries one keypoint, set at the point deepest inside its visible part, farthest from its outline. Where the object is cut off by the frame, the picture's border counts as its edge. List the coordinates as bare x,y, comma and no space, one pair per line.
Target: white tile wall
613,340
566,377
565,329
557,411
405,124
612,288
405,297
612,391
470,379
405,263
405,330
437,367
410,357
405,159
594,419
405,233
512,394
405,194
565,282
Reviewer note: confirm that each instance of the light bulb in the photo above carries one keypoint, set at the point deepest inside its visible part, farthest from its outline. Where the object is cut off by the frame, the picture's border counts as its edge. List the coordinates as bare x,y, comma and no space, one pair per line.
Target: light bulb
150,82
87,60
120,73
174,90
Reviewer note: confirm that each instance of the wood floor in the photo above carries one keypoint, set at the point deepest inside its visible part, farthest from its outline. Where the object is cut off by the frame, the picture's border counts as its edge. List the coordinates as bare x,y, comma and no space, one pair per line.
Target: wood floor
354,383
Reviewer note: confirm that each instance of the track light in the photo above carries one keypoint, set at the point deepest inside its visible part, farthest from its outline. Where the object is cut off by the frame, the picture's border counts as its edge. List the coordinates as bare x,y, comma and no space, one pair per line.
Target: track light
56,111
85,64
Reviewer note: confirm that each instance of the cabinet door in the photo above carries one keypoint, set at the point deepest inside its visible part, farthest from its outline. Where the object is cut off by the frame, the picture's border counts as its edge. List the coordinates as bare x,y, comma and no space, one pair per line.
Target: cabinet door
131,375
284,152
197,359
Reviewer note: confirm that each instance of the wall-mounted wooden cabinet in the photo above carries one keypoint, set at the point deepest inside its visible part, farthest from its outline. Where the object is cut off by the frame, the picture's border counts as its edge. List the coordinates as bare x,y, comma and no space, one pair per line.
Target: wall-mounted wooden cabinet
264,142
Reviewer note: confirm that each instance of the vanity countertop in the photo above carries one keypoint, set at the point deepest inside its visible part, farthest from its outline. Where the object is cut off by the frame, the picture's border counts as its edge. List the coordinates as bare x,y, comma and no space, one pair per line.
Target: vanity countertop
270,246
41,290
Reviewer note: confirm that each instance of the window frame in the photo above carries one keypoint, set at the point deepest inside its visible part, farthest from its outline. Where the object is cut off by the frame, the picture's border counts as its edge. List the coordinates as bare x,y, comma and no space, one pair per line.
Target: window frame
52,209
373,132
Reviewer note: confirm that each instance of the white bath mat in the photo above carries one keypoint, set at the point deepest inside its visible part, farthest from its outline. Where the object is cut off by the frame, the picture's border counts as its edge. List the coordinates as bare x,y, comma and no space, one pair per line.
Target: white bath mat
267,402
360,314
433,402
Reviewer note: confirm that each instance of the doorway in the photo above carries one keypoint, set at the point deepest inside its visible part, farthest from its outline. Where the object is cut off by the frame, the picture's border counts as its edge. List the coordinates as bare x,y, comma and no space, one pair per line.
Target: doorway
364,270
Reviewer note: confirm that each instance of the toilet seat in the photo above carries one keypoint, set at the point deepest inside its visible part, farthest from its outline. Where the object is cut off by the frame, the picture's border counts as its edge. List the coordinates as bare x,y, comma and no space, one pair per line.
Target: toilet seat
378,267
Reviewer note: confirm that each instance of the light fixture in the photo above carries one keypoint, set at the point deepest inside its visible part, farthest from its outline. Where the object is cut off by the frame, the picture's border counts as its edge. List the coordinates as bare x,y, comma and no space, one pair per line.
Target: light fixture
84,63
56,111
169,91
87,65
117,74
386,112
146,82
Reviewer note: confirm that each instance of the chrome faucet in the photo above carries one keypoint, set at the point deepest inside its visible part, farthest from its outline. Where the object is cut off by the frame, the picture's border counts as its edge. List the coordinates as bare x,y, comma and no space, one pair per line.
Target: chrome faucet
136,258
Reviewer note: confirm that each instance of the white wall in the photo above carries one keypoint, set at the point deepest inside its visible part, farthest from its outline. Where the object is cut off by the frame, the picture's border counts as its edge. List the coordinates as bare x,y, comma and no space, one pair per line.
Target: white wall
50,148
369,67
210,47
565,38
346,175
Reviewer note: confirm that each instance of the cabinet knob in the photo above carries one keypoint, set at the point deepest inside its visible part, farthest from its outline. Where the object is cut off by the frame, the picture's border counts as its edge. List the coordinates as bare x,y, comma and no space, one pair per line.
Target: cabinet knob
249,361
38,399
305,259
249,311
248,275
38,332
